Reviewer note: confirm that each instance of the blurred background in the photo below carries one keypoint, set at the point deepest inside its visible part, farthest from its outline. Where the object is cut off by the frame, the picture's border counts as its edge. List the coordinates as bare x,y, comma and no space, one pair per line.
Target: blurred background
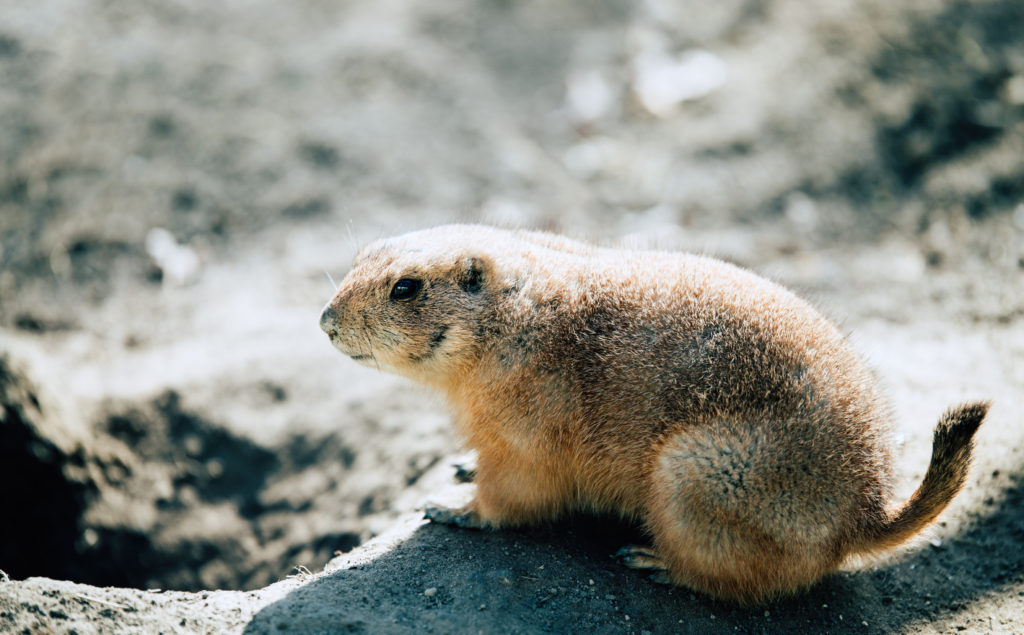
177,176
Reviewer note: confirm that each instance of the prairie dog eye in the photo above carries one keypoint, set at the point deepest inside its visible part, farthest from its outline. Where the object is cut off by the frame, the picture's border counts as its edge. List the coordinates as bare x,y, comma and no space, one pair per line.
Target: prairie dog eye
405,289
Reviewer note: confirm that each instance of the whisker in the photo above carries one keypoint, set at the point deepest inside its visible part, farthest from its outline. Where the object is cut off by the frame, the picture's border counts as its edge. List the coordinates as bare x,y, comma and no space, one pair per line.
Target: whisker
351,235
331,280
369,344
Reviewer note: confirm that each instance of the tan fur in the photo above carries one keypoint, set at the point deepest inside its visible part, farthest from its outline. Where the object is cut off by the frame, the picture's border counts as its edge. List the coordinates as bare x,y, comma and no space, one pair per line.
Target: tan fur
713,406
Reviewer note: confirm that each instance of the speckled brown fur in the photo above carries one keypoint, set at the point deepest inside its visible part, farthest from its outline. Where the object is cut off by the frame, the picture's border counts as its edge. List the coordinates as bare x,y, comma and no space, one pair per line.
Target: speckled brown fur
713,406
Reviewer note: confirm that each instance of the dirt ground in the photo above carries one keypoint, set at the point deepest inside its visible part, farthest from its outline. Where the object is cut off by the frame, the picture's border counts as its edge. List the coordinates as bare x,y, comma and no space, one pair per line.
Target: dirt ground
177,176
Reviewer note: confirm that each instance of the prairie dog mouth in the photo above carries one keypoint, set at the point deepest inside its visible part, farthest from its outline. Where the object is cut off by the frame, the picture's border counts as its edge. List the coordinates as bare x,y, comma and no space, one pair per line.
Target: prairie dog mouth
367,360
363,359
355,355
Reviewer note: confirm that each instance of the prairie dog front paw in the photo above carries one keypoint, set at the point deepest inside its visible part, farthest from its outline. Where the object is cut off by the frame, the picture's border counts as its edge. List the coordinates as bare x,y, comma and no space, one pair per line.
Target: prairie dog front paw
464,517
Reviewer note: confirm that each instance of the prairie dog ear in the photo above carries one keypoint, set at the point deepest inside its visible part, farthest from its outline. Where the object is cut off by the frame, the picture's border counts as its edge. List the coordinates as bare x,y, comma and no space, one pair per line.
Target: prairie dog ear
471,274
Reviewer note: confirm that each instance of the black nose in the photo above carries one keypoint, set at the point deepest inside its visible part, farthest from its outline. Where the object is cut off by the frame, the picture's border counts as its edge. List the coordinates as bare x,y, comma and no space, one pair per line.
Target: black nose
328,319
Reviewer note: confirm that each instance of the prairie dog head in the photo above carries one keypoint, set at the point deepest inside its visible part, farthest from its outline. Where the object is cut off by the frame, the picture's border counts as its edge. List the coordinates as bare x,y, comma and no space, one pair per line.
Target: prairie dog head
411,305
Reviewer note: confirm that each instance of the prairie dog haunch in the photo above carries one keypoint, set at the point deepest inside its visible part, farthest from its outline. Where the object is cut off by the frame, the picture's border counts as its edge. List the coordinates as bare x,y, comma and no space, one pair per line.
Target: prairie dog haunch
714,407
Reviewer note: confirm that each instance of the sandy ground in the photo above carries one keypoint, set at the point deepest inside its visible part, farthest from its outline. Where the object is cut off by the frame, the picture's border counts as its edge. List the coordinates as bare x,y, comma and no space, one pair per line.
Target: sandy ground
177,176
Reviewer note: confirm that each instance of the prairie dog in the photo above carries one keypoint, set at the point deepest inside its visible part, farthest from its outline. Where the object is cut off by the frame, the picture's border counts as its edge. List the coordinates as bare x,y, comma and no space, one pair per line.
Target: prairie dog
714,407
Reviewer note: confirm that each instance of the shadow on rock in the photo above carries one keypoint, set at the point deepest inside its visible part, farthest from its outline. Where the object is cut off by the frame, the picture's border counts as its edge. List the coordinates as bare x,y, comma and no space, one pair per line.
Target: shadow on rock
563,579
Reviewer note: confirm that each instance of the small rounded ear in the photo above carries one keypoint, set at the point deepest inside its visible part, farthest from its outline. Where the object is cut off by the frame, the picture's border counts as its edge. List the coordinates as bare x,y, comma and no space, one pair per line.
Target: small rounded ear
471,278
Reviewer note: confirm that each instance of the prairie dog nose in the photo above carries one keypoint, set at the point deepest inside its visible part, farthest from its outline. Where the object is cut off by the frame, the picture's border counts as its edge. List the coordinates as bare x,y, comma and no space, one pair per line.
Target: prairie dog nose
328,319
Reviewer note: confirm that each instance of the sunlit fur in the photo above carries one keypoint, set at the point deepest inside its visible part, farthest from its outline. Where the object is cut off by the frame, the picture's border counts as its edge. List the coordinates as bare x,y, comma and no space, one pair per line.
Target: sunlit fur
713,406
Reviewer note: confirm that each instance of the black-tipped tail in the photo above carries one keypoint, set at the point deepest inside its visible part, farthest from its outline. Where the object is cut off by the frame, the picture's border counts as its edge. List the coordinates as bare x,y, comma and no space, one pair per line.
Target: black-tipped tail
952,448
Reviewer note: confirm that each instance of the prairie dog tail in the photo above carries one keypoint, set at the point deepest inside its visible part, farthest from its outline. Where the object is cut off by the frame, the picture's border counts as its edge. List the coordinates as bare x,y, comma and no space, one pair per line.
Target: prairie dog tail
951,456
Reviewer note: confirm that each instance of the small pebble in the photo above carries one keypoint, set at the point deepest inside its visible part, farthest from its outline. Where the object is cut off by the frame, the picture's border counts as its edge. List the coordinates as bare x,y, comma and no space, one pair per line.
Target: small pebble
215,468
431,592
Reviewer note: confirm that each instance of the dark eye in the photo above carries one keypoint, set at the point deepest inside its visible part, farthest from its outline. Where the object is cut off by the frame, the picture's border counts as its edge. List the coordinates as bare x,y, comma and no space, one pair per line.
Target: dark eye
405,289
